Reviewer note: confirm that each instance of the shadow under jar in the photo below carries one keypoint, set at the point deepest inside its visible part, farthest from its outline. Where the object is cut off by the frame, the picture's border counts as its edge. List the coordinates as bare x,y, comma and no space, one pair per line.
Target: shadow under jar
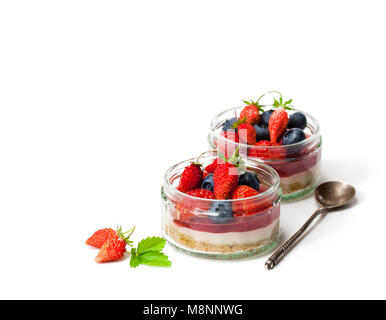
193,224
298,164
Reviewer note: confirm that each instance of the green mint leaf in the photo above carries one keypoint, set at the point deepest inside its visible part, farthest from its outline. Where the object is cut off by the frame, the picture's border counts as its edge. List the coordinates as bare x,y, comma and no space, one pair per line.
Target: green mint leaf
134,261
153,258
151,244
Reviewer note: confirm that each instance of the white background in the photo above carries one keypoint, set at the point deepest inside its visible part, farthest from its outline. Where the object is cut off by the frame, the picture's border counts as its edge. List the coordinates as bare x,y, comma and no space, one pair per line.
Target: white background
99,98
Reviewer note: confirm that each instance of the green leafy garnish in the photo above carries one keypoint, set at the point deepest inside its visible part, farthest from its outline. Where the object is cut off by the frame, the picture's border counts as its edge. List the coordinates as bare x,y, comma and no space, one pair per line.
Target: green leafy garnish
151,244
255,103
235,159
149,253
277,102
238,122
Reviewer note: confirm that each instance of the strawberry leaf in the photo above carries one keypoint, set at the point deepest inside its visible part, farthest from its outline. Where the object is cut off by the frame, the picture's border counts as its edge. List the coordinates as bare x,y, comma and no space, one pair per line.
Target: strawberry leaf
151,244
153,258
134,261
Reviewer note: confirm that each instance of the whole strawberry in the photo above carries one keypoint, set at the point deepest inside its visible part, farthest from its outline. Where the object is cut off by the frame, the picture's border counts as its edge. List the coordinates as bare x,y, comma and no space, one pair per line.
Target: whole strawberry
247,133
191,178
112,250
242,192
225,179
251,113
277,124
101,236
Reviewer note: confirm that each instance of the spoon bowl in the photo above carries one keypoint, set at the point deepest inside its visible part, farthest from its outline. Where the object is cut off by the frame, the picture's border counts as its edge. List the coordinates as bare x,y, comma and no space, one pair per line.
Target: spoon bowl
334,194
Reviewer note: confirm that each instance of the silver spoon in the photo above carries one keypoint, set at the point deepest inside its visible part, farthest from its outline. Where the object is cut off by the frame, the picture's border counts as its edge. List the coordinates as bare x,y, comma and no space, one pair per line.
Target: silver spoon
329,195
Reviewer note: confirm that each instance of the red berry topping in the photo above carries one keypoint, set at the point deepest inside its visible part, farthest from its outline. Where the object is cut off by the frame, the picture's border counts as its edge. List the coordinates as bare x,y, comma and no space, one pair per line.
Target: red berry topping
247,133
251,113
201,193
210,168
277,124
191,178
265,152
241,192
186,208
225,179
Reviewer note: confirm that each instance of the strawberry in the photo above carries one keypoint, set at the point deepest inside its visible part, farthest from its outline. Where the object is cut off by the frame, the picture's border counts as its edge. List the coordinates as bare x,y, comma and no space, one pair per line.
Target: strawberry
185,210
112,250
225,179
243,207
101,236
251,113
247,133
191,178
241,192
277,124
265,152
210,168
201,193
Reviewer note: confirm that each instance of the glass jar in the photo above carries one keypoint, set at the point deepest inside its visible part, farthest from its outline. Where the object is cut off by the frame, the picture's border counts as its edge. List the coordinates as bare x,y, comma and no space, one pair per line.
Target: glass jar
243,227
298,164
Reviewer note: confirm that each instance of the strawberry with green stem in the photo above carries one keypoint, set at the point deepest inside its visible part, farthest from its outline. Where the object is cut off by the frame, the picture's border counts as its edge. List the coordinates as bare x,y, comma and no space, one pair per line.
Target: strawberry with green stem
114,248
251,112
191,177
246,132
226,175
100,237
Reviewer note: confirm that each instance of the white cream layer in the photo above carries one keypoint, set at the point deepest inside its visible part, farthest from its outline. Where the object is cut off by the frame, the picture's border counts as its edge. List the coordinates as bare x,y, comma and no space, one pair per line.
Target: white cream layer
229,238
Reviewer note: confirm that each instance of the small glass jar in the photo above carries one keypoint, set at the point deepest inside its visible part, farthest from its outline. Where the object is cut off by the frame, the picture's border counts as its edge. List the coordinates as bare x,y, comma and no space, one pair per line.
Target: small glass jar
250,226
298,164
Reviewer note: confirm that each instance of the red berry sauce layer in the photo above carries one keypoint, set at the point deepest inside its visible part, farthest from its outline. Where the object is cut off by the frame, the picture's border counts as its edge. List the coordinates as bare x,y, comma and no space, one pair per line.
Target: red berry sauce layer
297,165
236,224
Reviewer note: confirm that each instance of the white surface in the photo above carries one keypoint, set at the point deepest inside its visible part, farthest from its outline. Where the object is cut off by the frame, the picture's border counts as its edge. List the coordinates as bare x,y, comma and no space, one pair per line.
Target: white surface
98,98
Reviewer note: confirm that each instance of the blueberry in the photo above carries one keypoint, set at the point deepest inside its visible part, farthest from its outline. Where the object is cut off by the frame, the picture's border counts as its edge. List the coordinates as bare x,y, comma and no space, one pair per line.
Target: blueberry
228,124
222,212
293,136
208,183
262,132
297,120
249,178
265,117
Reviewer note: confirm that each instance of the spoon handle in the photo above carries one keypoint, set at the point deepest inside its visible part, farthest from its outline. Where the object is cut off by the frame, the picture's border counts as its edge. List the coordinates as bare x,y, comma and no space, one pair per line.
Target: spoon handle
289,244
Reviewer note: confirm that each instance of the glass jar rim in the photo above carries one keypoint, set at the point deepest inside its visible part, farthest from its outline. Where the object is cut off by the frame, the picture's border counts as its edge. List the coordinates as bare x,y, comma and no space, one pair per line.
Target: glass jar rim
274,187
314,136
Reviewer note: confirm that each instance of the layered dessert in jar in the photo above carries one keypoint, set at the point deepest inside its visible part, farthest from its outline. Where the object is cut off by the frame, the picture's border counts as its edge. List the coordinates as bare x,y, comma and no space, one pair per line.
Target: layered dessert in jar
221,207
282,137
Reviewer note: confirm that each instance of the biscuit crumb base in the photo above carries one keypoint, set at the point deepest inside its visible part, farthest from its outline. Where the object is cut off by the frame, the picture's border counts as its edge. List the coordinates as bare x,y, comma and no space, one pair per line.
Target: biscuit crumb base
189,242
